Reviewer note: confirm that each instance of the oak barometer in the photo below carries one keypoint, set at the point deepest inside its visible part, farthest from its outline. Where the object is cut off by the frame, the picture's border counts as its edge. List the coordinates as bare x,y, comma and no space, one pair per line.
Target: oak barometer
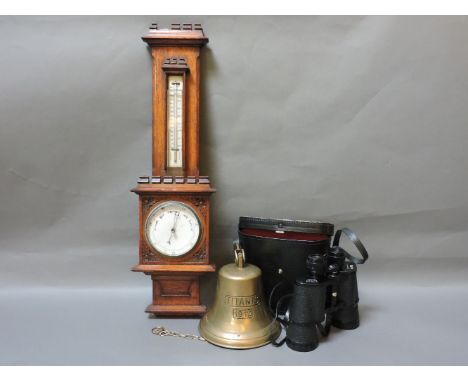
174,201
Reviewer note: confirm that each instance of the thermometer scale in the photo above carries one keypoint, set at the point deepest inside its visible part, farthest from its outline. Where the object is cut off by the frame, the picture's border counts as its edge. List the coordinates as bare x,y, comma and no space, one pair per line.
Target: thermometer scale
174,120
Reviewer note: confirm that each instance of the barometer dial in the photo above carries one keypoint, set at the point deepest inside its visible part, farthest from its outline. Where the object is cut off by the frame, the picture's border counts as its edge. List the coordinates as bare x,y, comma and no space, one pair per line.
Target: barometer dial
173,228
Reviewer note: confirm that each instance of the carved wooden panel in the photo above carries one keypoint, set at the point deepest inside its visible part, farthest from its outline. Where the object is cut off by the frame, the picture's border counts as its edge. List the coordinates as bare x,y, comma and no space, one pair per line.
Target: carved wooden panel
179,289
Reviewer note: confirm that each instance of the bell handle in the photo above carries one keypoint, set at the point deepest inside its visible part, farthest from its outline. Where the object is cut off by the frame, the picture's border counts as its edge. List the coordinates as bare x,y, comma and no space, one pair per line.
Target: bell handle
239,254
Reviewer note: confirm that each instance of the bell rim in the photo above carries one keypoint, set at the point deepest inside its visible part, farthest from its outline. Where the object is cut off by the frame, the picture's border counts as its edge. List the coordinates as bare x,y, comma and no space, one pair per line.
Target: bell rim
241,344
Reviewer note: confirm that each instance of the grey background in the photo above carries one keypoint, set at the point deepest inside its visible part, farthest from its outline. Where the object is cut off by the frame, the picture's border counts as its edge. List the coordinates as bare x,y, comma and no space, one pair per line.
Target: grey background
357,121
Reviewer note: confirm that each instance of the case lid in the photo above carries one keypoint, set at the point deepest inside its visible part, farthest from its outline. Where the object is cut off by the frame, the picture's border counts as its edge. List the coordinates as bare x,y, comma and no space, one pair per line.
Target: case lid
286,225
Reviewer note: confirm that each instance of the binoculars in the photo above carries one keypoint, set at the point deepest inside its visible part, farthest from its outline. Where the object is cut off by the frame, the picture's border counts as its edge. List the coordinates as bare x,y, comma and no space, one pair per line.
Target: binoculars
328,296
310,285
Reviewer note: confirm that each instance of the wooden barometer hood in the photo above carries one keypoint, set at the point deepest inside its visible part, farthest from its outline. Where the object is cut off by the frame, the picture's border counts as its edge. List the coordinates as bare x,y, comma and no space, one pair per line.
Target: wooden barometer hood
176,35
176,50
174,201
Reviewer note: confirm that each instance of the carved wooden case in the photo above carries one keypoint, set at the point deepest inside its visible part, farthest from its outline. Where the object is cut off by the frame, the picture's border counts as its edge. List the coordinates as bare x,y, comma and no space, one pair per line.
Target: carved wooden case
176,287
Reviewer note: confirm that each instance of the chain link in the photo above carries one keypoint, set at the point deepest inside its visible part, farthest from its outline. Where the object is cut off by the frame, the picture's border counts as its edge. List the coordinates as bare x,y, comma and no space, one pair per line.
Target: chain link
163,332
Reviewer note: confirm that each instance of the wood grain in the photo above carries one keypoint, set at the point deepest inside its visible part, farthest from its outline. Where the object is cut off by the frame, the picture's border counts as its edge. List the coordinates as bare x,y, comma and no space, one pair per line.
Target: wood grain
178,268
176,285
191,120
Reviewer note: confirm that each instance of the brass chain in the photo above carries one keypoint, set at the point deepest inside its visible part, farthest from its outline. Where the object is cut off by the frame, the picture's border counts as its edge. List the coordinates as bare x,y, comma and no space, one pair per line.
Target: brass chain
163,332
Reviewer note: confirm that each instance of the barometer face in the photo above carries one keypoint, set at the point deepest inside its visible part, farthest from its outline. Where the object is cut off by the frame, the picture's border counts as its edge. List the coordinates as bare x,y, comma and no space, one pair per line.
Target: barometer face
172,228
175,90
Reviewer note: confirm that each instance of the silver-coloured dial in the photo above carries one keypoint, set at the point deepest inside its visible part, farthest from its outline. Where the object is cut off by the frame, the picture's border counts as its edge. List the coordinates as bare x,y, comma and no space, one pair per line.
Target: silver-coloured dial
172,228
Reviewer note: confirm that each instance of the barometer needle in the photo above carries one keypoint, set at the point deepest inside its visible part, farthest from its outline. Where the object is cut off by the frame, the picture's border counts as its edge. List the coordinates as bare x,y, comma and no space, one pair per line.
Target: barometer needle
173,231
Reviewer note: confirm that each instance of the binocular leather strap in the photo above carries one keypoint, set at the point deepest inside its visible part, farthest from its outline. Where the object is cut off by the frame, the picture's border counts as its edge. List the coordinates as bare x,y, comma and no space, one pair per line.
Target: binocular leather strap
351,236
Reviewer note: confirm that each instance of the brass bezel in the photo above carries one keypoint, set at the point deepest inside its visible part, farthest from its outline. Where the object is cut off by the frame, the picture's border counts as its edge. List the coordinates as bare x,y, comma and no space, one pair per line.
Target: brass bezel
168,202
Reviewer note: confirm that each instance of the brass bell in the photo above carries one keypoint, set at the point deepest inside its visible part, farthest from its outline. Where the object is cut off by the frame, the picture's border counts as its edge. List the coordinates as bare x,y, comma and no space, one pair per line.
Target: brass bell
239,318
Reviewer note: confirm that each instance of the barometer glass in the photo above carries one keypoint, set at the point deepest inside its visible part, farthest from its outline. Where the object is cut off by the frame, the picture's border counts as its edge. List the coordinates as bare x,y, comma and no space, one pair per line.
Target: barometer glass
172,228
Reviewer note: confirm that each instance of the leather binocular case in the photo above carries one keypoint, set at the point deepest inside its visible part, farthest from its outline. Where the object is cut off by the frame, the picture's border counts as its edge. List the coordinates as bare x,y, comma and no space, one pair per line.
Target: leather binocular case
310,284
